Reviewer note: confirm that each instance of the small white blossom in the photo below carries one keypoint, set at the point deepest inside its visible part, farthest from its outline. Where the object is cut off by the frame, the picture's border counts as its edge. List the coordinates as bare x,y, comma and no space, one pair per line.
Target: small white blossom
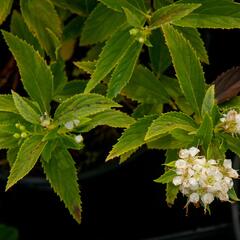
69,125
227,163
193,184
194,198
78,138
186,153
177,180
180,163
207,198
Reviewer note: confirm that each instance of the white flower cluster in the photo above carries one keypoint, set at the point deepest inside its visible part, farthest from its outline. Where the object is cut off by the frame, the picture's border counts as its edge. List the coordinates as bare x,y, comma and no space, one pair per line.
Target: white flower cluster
202,180
231,122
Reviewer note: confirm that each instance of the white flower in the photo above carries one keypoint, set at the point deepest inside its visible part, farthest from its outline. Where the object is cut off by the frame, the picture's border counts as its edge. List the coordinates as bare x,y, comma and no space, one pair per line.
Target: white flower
193,151
69,125
194,198
177,180
232,173
201,179
186,153
190,172
207,198
180,163
200,161
227,163
193,184
212,162
78,138
228,181
231,122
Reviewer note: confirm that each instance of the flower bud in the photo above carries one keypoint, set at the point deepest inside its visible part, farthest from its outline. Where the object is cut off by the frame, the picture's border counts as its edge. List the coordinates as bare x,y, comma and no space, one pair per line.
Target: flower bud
78,138
194,198
16,135
69,125
24,134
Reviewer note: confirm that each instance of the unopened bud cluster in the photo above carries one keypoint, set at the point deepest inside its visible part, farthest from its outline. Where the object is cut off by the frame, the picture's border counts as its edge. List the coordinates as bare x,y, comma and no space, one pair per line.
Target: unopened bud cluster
45,120
141,35
202,180
23,133
231,122
70,125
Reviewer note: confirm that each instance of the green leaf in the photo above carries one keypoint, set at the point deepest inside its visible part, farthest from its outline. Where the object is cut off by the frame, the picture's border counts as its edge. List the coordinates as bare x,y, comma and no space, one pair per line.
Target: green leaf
35,74
171,13
62,175
208,101
136,6
132,19
216,150
145,88
59,76
7,104
7,131
86,66
132,138
49,149
233,103
187,66
9,118
100,25
124,70
82,105
172,87
126,156
8,233
111,118
112,52
194,37
73,28
213,14
167,122
166,142
167,177
42,20
71,88
205,132
19,28
70,143
5,9
26,110
27,157
161,3
171,156
146,109
159,54
171,193
233,143
80,7
183,136
12,155
232,195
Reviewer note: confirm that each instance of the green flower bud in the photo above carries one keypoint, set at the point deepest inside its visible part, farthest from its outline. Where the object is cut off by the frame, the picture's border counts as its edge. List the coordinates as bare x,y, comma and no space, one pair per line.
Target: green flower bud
22,128
16,135
24,134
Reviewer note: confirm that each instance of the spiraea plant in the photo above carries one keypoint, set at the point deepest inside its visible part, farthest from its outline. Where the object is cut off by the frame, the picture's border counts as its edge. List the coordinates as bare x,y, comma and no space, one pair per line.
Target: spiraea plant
118,53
